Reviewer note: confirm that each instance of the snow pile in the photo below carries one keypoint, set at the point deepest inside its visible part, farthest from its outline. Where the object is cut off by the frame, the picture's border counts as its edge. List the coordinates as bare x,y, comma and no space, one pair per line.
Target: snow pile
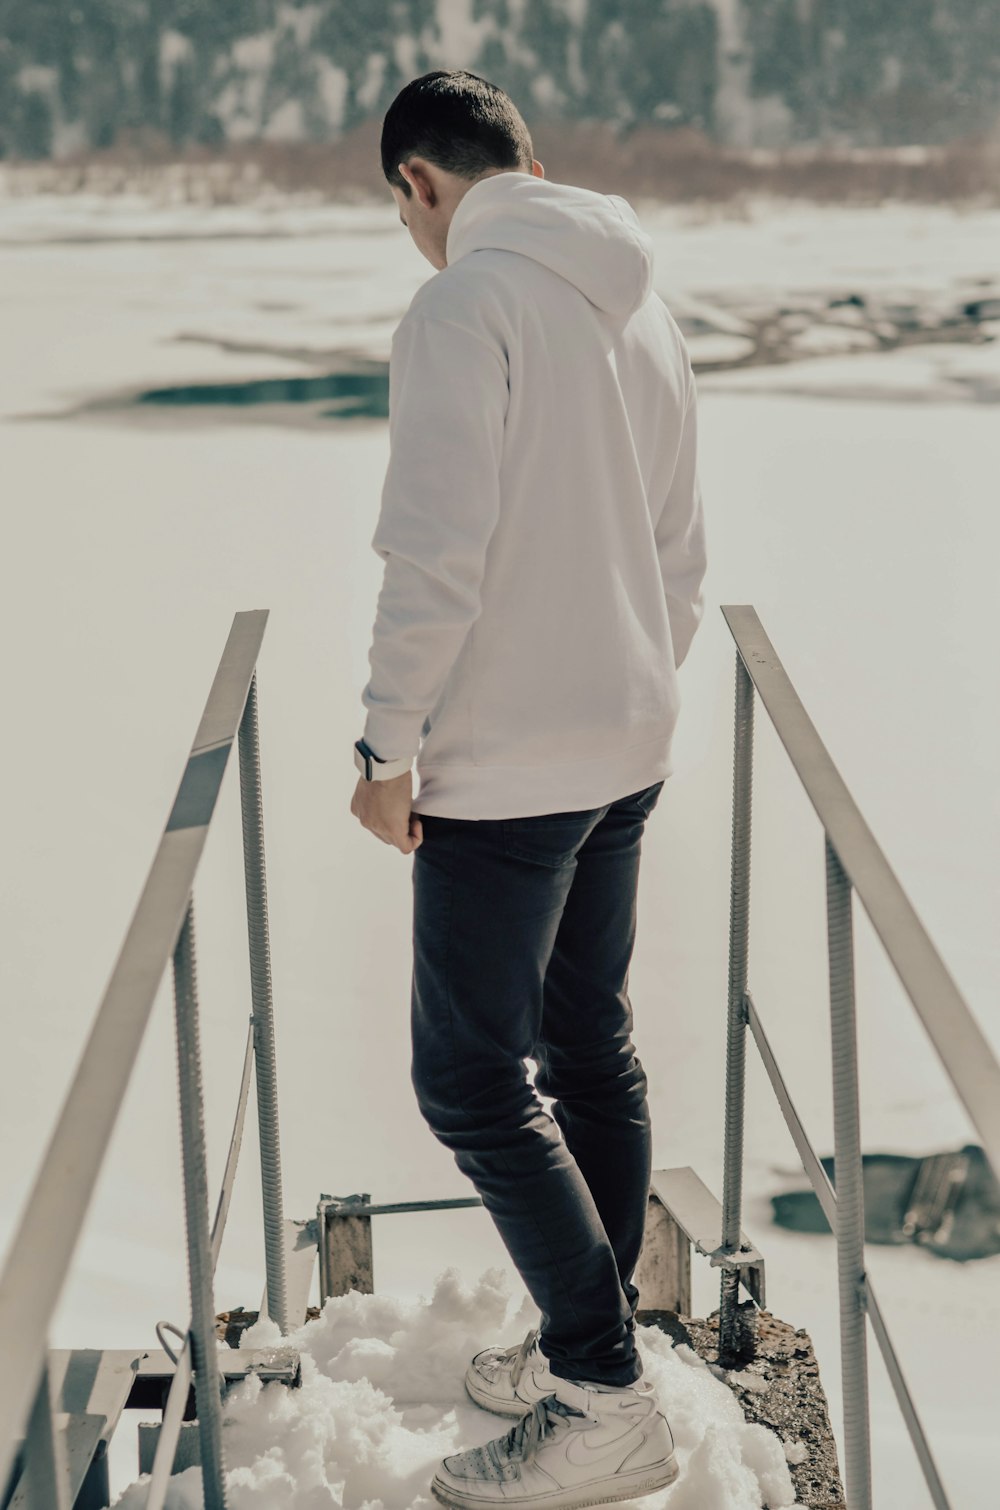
382,1401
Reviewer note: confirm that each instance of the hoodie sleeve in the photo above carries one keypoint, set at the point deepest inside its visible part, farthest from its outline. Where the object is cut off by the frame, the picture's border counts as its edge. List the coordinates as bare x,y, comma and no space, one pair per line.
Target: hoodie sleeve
680,537
448,395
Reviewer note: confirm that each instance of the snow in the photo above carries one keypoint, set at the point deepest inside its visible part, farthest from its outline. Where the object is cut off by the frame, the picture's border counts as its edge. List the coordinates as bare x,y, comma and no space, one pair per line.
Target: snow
174,48
286,123
460,31
850,498
370,89
382,1401
767,244
718,346
333,89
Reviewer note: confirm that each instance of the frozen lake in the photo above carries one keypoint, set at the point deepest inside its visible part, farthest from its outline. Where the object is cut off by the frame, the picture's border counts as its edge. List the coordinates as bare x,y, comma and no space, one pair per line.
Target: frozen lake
851,498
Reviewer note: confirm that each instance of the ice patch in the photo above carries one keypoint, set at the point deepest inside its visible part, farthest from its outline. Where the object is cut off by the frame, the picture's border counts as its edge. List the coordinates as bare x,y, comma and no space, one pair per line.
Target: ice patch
382,1402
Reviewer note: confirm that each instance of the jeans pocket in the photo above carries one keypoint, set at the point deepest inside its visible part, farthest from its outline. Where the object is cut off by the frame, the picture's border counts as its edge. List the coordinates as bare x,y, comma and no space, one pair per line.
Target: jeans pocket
647,798
549,838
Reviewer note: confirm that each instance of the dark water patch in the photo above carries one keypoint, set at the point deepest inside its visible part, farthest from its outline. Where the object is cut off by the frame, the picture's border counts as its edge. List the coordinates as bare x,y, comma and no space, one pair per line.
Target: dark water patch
357,395
353,387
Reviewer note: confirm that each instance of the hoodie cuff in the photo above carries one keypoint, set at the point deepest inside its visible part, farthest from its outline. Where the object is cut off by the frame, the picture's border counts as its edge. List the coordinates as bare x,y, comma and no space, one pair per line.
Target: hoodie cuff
390,734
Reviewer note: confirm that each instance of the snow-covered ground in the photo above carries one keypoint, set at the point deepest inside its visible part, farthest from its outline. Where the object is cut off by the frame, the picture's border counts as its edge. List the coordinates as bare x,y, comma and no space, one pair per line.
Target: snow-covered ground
382,1401
861,524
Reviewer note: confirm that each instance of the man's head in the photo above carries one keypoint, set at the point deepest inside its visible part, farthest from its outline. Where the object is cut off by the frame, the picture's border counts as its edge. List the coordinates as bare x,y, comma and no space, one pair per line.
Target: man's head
441,134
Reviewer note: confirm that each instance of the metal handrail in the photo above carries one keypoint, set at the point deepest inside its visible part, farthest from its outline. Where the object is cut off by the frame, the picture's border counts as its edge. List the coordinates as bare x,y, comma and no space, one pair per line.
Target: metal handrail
43,1246
162,929
854,862
957,1038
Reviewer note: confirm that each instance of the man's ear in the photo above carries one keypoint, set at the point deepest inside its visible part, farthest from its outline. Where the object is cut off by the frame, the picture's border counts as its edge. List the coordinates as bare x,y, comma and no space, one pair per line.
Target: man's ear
417,177
537,168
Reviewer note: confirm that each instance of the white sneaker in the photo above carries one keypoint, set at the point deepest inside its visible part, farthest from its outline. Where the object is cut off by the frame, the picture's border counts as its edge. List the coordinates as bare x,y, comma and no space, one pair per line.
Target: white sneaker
580,1447
509,1380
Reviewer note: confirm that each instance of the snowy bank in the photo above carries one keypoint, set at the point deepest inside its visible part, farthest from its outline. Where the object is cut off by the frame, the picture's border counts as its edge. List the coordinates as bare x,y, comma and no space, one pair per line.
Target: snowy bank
382,1401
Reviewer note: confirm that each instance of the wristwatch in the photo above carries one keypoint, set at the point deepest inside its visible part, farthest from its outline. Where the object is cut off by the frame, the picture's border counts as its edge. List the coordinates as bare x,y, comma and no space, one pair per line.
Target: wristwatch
374,768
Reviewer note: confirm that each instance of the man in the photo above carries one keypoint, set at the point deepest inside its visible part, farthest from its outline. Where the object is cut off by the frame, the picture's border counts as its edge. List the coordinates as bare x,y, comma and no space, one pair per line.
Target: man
543,540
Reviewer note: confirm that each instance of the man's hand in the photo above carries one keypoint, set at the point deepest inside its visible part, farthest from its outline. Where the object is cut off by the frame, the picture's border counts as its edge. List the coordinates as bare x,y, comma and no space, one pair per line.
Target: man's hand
384,807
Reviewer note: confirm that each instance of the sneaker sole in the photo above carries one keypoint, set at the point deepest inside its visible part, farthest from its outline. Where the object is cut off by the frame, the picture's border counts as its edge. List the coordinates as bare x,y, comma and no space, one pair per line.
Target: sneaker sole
597,1492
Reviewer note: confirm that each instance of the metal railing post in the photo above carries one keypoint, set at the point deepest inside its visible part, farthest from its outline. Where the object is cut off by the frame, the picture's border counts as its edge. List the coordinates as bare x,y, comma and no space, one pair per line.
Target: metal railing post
43,1483
207,1377
35,1268
251,804
732,1342
850,1211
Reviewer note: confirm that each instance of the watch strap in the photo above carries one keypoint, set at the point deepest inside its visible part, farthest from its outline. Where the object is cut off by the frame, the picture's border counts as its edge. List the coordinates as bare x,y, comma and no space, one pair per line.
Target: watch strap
374,768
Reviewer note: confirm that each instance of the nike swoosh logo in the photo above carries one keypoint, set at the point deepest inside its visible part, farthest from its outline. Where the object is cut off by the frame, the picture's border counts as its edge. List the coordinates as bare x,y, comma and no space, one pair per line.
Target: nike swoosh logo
593,1454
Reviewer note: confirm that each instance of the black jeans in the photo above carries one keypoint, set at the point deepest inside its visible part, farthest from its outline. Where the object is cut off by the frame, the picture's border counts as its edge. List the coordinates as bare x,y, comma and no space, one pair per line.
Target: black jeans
523,930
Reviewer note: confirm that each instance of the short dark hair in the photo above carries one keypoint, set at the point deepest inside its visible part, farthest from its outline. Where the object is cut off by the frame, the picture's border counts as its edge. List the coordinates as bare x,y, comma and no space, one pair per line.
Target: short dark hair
459,122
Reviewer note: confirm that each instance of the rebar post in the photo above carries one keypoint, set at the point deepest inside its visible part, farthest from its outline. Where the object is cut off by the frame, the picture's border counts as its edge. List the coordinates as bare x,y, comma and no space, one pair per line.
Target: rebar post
252,807
732,1339
850,1212
207,1376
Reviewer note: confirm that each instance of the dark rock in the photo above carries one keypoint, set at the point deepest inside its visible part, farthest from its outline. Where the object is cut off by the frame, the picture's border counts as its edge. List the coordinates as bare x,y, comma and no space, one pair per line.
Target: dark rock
791,1402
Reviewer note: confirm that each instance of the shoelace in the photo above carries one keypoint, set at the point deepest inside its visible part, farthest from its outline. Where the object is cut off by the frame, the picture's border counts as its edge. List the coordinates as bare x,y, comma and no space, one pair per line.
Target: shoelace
519,1355
521,1358
524,1439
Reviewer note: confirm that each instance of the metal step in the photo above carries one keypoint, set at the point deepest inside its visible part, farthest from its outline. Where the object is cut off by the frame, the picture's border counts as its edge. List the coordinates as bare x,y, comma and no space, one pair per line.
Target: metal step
90,1388
699,1215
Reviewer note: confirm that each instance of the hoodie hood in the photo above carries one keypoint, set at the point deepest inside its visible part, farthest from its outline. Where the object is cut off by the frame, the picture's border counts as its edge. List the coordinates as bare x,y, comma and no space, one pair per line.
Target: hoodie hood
592,240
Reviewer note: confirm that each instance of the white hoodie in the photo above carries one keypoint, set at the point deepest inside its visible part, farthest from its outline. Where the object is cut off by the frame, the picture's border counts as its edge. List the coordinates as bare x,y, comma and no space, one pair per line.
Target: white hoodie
541,521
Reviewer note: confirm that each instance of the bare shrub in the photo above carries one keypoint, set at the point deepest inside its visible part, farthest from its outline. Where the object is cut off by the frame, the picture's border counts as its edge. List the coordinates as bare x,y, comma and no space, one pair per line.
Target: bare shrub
680,165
